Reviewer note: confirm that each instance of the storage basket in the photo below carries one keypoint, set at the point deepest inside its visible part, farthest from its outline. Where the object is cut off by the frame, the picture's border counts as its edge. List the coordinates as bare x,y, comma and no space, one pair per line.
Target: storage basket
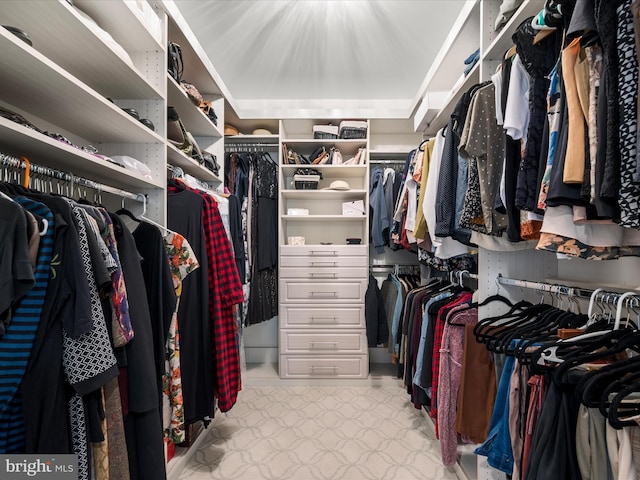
325,132
306,182
350,129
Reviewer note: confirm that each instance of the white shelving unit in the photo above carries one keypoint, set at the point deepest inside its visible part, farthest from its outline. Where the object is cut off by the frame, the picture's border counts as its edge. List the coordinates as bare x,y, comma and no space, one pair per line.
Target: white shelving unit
75,81
323,282
476,30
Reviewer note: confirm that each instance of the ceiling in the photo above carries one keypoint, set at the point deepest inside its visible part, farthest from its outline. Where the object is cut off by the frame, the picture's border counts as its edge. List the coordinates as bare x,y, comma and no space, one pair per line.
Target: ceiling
321,58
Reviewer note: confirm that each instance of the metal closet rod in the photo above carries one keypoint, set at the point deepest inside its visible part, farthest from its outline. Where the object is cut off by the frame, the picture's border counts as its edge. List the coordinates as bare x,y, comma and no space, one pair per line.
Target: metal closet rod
550,287
40,170
384,162
235,146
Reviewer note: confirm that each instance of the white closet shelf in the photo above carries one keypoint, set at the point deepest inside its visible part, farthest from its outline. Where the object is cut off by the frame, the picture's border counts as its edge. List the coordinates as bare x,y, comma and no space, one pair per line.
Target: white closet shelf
48,152
197,67
502,42
463,39
319,218
190,166
124,22
195,121
441,119
324,194
330,171
79,50
71,104
345,145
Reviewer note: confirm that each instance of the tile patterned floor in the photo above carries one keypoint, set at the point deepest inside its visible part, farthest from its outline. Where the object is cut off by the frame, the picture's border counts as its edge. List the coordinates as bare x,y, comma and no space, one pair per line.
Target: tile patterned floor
319,433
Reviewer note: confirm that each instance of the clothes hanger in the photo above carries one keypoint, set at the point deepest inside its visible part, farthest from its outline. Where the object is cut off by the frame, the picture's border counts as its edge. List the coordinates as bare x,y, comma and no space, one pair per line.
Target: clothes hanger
511,52
632,408
541,35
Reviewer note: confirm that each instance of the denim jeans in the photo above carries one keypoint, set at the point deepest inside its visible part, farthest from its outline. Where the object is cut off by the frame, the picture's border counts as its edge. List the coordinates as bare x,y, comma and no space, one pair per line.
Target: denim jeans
497,446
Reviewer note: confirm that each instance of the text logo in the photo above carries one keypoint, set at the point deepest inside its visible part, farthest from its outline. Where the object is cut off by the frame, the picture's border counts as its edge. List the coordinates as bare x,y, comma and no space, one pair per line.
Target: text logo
46,467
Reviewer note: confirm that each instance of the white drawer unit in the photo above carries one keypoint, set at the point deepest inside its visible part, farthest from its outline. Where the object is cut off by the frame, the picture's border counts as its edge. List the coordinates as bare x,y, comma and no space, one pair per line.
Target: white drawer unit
323,267
323,343
294,290
343,366
324,251
322,316
324,261
324,273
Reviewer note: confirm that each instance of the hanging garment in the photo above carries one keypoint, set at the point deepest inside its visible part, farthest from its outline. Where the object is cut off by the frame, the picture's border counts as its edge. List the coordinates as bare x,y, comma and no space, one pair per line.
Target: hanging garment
161,296
21,331
184,215
143,426
375,315
182,261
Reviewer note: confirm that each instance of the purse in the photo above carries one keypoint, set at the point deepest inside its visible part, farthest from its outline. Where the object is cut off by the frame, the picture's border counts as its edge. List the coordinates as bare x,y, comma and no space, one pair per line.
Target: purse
336,157
192,92
175,65
211,163
207,109
176,133
317,155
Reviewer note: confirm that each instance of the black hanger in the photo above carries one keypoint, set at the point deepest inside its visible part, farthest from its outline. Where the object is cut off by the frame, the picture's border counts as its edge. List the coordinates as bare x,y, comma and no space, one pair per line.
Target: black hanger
596,348
124,211
619,407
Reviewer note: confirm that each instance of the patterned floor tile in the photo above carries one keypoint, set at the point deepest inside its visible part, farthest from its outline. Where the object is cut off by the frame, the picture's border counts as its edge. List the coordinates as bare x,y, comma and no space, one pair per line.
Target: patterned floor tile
319,433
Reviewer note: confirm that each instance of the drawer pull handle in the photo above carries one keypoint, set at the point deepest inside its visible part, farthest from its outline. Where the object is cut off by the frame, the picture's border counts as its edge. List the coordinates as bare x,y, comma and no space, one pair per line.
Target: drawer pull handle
324,294
314,369
333,345
323,275
321,319
324,263
323,252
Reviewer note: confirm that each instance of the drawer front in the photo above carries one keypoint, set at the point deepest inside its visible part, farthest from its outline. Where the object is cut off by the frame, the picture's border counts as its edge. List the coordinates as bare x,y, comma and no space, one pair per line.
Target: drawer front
322,291
320,343
324,250
327,273
324,262
355,366
310,316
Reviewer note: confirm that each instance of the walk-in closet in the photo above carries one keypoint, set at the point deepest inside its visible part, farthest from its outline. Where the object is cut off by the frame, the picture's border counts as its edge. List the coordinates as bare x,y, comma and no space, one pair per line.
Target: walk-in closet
320,239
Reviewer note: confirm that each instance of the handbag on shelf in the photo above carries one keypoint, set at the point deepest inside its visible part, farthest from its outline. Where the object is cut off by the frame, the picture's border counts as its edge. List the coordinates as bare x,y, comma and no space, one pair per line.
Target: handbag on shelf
175,65
318,155
336,157
210,162
176,133
192,92
207,109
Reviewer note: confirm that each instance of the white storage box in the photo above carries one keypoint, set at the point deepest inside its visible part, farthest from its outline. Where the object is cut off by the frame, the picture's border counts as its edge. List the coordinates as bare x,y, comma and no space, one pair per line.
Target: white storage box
355,208
297,211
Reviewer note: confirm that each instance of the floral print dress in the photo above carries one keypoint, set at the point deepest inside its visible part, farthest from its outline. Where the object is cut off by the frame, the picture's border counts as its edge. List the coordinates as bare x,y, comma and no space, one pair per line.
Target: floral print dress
183,261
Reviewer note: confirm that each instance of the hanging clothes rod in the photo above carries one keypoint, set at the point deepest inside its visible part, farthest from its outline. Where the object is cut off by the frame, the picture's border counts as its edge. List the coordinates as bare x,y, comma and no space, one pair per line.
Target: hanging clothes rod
578,292
177,172
398,161
237,147
38,171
